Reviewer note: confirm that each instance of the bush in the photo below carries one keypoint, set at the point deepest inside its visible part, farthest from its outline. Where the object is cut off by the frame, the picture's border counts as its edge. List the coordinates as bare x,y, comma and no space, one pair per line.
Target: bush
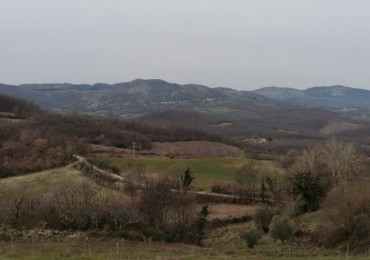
263,218
5,237
252,234
308,190
280,228
346,216
220,188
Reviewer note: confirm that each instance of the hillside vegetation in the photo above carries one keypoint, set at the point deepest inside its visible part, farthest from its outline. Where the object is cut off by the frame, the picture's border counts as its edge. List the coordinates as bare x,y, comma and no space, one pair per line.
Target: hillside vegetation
46,140
162,103
20,108
177,185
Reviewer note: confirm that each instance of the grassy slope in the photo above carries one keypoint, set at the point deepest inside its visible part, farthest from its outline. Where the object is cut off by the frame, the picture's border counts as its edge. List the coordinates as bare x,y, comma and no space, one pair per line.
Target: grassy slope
206,171
45,179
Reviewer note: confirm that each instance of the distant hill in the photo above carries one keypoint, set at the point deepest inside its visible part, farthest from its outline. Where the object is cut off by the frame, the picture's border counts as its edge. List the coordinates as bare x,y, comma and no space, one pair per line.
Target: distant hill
143,97
235,113
335,97
135,97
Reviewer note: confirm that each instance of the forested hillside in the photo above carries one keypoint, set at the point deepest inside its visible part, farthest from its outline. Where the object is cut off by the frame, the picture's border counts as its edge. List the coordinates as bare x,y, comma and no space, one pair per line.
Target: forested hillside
18,107
46,140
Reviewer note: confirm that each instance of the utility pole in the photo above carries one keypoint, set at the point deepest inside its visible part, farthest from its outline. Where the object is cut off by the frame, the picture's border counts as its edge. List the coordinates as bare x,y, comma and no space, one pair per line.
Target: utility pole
133,149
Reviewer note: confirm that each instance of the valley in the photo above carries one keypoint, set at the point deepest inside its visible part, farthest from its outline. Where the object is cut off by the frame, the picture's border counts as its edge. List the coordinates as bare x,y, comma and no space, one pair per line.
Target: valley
150,169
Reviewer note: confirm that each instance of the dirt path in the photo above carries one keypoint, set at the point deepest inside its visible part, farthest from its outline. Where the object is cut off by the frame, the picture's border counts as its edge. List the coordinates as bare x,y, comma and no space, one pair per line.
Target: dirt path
81,159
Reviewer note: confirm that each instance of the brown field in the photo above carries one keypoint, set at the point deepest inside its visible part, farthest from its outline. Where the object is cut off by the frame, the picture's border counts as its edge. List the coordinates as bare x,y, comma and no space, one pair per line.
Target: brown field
228,211
108,150
196,149
190,149
337,127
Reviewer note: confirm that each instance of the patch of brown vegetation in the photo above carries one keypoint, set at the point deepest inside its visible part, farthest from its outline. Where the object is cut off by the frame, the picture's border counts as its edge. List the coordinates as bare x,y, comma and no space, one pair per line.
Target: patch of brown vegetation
196,149
338,126
107,150
226,211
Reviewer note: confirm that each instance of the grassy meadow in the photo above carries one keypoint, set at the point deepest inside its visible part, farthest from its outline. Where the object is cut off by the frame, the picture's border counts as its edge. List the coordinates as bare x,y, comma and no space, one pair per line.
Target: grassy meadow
45,179
207,171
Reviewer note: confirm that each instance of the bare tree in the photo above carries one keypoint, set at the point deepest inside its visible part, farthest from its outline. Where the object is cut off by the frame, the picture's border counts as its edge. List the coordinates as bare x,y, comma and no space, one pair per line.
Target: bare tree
346,215
155,201
84,205
166,208
135,179
15,200
246,179
338,160
342,160
319,169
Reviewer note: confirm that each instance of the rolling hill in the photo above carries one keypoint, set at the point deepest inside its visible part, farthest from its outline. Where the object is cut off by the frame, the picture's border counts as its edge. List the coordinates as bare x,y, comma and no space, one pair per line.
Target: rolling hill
136,97
241,114
333,97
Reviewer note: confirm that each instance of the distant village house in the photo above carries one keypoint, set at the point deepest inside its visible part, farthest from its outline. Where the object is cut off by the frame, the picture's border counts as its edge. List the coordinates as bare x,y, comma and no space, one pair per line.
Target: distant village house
257,140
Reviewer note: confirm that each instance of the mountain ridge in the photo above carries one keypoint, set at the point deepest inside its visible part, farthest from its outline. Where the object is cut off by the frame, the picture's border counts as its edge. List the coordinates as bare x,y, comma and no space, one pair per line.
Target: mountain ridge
334,97
85,98
247,113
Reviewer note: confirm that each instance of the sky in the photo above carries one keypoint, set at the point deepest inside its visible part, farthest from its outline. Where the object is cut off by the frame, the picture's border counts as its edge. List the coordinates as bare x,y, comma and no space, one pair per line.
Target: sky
240,44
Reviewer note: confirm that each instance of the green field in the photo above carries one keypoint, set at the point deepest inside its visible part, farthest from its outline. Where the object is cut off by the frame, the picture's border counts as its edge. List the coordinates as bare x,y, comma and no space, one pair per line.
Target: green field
206,171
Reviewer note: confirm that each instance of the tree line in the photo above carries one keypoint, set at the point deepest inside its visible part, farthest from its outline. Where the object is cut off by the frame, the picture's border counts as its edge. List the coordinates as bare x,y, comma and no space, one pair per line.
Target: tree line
160,208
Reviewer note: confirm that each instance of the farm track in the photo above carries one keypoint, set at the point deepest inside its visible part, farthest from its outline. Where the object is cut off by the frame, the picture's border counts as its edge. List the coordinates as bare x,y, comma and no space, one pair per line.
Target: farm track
83,160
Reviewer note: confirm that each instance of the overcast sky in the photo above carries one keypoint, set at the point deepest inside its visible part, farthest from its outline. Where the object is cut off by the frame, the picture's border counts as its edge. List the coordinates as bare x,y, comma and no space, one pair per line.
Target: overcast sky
241,44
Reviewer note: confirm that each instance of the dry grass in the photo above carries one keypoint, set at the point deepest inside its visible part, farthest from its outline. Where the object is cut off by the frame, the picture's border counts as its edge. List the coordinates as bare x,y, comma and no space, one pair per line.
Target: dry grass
222,243
337,127
227,241
108,150
191,149
226,211
196,149
45,179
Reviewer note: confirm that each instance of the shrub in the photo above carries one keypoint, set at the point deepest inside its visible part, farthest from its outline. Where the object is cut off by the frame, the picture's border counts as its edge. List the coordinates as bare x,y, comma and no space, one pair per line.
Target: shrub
346,214
308,190
263,217
252,234
245,180
280,228
200,225
220,188
5,237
